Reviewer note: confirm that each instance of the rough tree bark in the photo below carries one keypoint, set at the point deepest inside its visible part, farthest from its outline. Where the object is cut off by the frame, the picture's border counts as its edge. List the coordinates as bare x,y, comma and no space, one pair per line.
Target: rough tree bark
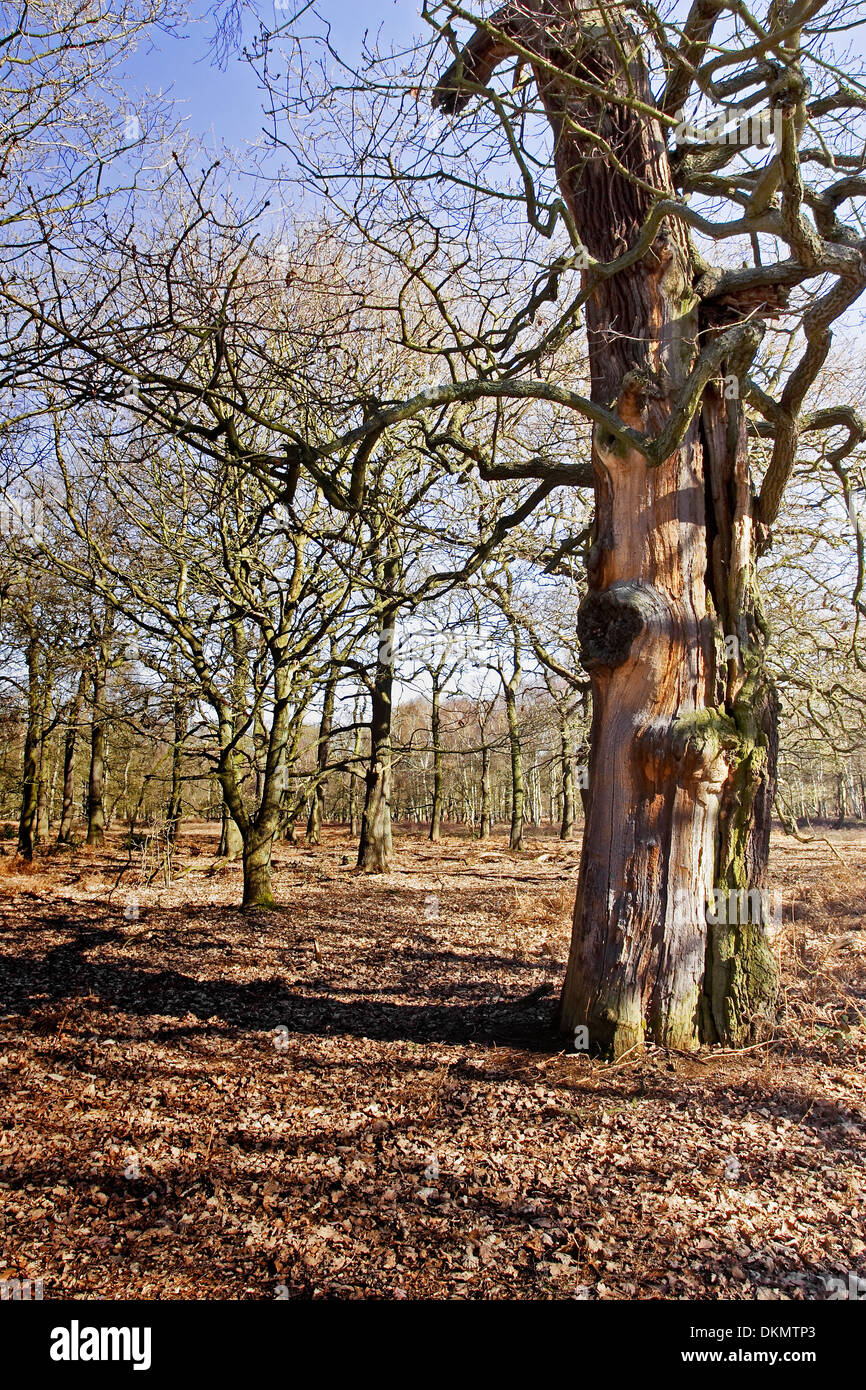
683,739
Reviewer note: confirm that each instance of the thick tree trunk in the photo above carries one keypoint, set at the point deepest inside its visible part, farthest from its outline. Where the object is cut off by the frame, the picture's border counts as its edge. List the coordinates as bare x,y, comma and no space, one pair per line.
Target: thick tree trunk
682,760
258,830
436,736
258,869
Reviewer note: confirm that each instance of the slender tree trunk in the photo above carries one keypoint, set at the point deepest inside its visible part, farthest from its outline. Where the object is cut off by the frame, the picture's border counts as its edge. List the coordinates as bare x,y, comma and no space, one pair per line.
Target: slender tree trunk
180,718
231,839
96,780
567,764
436,736
43,823
28,820
323,754
354,823
98,734
374,849
52,785
515,840
485,819
67,814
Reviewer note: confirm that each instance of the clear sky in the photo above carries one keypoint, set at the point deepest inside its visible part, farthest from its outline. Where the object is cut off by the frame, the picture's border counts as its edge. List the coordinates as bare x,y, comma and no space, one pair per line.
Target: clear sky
225,105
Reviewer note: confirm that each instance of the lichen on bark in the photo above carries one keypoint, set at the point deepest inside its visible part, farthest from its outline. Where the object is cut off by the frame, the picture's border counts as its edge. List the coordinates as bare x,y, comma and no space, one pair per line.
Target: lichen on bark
742,970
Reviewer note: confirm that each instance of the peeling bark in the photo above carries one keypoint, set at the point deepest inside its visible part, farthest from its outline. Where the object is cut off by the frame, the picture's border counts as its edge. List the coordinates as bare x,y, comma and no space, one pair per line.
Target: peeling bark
681,766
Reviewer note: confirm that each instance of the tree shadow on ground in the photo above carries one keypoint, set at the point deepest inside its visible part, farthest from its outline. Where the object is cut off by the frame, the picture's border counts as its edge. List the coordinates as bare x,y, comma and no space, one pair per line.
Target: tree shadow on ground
64,973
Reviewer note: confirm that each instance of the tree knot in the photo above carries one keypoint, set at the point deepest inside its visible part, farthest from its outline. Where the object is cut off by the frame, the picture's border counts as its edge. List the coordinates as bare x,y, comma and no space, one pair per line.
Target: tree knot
610,620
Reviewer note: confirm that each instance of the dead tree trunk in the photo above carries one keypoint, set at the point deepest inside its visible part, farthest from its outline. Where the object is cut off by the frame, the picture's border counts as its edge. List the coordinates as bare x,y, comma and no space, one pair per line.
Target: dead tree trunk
683,739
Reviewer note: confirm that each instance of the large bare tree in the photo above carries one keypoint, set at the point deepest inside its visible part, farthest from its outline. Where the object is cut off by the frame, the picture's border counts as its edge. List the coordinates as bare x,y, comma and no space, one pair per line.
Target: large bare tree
684,735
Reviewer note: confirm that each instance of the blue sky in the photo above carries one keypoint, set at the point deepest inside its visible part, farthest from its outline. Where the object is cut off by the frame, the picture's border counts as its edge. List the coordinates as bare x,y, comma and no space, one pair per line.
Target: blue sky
225,106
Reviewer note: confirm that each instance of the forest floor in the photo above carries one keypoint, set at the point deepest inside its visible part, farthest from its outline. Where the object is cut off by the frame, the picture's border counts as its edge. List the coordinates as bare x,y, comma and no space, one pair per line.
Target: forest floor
362,1094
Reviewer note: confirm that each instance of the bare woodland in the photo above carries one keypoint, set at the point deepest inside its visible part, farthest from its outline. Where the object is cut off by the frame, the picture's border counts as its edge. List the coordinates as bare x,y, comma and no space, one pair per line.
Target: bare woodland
432,678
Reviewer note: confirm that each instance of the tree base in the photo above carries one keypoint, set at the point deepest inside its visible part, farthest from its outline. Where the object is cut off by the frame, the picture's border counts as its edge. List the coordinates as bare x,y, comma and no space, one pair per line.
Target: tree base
264,903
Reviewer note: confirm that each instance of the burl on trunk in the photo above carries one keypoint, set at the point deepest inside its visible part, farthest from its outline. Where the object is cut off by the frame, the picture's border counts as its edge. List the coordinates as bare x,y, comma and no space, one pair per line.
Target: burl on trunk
682,761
